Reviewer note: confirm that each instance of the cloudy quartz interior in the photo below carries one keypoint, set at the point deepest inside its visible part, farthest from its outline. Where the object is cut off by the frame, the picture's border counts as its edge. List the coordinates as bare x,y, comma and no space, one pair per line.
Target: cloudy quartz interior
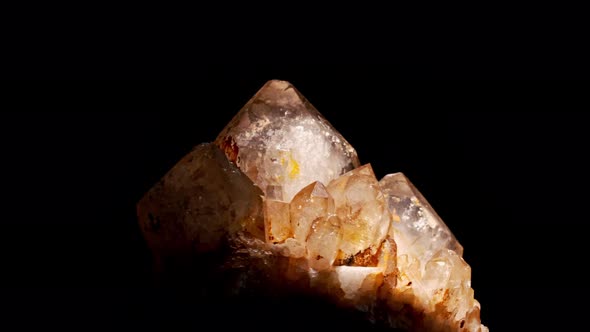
281,176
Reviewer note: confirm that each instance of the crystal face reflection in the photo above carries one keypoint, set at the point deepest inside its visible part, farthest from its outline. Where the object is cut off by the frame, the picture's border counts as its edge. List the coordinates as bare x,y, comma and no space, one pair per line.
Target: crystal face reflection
279,139
285,194
420,224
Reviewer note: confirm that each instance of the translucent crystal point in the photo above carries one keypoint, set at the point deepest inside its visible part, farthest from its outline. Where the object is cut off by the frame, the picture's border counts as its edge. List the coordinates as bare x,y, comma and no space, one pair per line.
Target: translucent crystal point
279,139
312,203
414,218
430,259
323,242
362,208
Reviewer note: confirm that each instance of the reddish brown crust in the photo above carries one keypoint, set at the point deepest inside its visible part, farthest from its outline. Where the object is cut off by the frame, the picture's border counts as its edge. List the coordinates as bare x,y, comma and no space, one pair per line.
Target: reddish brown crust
230,148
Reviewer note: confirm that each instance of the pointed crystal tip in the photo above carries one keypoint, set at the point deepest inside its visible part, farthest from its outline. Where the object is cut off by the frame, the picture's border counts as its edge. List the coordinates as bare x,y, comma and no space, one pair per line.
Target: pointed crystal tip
281,141
419,222
277,84
279,93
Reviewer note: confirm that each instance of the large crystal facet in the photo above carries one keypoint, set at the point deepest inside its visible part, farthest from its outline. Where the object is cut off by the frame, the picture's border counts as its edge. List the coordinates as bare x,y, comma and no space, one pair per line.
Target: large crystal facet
362,208
279,139
198,203
283,201
423,230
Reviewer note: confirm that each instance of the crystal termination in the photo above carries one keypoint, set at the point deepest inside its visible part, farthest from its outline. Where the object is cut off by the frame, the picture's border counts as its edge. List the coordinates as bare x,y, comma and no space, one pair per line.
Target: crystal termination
286,195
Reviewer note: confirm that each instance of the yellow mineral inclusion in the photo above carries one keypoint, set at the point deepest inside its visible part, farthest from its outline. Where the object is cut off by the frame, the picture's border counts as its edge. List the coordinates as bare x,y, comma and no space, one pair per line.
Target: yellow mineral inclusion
293,166
395,217
352,237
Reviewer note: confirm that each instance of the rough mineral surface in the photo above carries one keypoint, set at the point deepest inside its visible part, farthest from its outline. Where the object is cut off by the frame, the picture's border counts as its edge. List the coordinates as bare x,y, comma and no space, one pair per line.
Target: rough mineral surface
282,195
201,201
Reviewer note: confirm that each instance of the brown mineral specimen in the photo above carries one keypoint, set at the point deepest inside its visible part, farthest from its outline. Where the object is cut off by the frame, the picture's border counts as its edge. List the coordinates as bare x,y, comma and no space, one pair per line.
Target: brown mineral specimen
284,207
279,139
200,202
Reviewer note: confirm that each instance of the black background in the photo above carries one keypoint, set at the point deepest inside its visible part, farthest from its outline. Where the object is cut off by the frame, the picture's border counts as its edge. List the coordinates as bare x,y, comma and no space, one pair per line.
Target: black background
502,163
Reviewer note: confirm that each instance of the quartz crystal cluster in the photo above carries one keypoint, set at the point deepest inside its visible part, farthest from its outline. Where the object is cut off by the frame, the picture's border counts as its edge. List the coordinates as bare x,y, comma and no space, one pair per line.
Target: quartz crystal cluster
286,194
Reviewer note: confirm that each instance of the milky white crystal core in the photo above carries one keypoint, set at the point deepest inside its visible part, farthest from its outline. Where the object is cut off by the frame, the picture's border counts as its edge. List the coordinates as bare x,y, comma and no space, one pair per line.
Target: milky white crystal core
279,139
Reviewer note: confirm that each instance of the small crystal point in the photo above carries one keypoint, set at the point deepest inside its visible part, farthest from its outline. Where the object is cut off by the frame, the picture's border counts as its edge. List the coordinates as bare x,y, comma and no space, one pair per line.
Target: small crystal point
279,139
429,257
362,208
312,203
416,218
